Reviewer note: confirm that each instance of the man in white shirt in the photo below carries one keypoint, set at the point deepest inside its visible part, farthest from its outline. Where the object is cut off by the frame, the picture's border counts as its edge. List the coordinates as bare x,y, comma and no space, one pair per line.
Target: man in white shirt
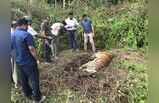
71,27
55,29
31,30
13,55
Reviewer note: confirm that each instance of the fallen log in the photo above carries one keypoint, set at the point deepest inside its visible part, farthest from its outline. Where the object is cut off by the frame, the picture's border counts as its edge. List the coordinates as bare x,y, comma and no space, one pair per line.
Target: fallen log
101,59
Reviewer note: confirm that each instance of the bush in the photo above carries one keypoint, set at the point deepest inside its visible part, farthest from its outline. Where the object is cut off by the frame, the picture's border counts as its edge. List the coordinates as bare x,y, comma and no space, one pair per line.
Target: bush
120,27
122,30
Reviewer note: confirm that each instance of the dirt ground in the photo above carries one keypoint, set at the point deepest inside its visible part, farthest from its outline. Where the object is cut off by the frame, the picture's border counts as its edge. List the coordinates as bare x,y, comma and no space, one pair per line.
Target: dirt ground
64,73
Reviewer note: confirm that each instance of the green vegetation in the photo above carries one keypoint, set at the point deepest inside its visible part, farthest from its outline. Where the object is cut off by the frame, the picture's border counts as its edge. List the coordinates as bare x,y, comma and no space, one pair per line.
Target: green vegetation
121,24
137,83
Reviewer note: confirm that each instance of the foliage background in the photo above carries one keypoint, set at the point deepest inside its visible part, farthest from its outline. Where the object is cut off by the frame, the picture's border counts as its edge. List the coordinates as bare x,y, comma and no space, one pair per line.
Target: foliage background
119,24
123,25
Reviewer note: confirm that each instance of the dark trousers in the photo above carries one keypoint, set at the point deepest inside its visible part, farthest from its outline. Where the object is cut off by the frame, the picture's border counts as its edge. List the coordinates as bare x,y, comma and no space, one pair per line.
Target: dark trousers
47,51
30,81
54,46
73,39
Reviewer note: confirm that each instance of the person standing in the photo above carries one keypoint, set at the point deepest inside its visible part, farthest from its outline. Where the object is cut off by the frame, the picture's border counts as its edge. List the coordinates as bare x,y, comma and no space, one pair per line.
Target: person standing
13,27
13,55
26,60
88,32
31,29
45,30
71,27
55,30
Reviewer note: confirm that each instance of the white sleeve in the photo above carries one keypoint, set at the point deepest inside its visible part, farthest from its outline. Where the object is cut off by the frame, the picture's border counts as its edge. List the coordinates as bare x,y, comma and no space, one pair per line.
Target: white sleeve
76,22
32,31
61,25
66,26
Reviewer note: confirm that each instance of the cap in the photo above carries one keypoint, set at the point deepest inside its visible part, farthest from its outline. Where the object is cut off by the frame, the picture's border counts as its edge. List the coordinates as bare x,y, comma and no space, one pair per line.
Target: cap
28,18
22,21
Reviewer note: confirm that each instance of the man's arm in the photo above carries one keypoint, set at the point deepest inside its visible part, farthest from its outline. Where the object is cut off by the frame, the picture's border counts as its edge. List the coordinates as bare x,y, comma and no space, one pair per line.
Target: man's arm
76,23
43,37
30,42
92,27
32,31
43,29
33,51
82,28
12,42
93,30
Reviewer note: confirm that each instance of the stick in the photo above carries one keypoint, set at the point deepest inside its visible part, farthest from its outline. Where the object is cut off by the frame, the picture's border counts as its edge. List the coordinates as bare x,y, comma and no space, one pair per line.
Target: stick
42,37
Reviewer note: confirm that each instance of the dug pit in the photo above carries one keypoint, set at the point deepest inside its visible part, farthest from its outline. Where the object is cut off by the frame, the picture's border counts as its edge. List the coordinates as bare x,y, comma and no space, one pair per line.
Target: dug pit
66,74
102,83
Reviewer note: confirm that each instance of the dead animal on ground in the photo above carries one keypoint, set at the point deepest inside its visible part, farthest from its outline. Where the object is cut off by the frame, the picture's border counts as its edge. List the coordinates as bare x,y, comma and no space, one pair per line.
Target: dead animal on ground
100,60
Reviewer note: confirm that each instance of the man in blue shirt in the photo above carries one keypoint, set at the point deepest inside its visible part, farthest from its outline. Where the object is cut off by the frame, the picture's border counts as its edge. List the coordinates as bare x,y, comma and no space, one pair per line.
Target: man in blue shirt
26,60
88,32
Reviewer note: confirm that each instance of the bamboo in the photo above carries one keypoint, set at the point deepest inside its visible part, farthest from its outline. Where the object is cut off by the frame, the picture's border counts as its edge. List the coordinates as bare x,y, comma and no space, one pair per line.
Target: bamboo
64,3
28,6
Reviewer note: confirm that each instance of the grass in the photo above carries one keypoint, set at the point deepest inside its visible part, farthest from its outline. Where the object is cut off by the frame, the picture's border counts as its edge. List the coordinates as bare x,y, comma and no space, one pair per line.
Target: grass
132,90
137,81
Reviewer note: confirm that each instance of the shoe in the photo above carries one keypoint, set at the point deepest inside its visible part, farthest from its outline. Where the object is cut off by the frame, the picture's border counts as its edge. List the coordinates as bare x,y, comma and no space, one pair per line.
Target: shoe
16,86
46,63
77,50
55,57
72,50
49,61
41,100
29,97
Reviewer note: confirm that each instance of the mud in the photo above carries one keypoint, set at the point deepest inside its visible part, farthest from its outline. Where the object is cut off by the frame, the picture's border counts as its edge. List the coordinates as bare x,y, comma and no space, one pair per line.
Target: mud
67,75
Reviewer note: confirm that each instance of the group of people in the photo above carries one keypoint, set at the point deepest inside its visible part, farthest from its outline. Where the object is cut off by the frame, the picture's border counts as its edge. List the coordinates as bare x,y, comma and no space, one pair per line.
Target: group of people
23,52
70,25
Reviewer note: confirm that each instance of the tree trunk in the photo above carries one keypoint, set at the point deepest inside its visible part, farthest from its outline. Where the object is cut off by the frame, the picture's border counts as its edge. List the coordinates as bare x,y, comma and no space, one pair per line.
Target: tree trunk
64,3
55,3
28,7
